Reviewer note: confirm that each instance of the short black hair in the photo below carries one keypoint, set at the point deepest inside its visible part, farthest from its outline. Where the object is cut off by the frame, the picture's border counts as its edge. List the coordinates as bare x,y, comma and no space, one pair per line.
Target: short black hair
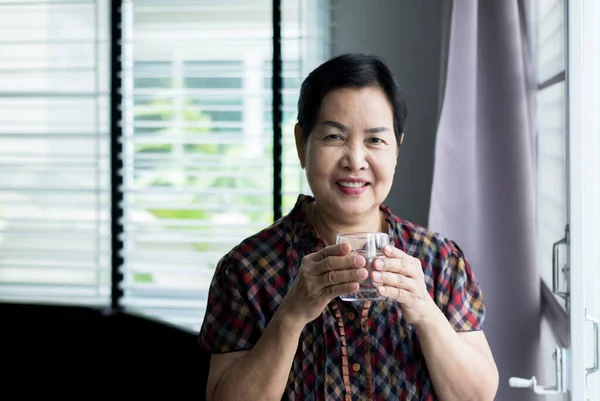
351,70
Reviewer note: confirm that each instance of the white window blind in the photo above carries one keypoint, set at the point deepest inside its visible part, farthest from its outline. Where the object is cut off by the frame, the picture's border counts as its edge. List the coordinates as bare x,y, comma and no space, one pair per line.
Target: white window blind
198,139
551,136
54,162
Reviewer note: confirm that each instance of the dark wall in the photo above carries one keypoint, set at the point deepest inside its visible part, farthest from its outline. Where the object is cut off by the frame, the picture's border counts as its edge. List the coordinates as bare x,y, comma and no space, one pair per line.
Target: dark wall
76,352
409,35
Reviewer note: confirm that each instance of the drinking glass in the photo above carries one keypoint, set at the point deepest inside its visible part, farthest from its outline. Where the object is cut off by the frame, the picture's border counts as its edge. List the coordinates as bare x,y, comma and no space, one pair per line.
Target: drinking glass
370,246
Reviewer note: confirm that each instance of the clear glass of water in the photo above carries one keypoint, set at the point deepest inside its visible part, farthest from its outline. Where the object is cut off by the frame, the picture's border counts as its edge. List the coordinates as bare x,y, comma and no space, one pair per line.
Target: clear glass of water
370,246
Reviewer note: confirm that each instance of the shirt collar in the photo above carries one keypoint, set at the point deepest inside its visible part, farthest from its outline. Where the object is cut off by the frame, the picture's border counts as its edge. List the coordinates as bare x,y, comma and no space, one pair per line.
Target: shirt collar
307,232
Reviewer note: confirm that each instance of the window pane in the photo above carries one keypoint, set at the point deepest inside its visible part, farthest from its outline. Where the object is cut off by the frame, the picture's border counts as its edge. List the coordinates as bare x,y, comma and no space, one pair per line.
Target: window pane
198,143
54,153
550,38
305,45
551,177
551,140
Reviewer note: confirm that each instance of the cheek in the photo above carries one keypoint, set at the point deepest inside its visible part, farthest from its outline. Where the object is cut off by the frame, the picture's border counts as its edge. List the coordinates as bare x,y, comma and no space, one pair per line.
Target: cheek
385,168
321,162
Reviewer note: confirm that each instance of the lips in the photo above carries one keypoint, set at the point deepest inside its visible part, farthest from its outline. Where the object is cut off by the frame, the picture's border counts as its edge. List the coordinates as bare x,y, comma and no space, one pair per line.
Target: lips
352,186
352,182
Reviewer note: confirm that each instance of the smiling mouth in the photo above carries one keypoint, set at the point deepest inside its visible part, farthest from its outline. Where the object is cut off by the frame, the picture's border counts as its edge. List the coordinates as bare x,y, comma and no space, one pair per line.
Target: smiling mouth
347,184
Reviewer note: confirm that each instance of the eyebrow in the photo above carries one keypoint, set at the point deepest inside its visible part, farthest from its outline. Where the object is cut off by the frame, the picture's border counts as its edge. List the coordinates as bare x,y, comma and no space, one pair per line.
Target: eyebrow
343,128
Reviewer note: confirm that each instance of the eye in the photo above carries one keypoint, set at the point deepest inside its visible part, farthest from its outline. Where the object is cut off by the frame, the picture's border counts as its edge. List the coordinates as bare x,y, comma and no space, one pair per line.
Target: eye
375,141
333,137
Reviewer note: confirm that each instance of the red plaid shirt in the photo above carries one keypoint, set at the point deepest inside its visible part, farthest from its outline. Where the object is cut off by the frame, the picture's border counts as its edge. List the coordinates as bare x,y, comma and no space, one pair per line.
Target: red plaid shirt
367,350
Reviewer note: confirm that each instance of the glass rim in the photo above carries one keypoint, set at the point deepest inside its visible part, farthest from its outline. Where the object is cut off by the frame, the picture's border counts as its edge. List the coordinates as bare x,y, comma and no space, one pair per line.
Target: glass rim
364,234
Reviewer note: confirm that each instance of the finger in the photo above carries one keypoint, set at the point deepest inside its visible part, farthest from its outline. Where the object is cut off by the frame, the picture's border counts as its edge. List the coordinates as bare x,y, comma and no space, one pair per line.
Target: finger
404,297
333,291
335,277
394,265
388,279
333,250
393,252
332,263
399,262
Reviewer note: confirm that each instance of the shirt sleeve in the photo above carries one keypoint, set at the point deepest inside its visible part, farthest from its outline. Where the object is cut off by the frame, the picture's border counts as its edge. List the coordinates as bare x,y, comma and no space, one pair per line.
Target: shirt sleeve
464,306
231,322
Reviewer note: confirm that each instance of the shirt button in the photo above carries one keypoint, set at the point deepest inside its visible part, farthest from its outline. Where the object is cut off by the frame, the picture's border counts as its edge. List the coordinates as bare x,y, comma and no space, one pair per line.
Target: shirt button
356,367
351,316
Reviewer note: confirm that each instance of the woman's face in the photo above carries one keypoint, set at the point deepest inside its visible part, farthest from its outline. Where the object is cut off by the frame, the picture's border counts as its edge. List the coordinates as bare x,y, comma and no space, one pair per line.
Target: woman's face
350,155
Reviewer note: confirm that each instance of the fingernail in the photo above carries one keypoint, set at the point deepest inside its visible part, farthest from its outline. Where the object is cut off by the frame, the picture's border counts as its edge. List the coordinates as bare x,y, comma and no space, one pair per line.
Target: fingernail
381,289
358,261
376,276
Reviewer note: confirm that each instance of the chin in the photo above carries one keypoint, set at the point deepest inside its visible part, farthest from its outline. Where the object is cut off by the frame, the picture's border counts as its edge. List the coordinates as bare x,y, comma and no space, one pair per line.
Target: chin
355,208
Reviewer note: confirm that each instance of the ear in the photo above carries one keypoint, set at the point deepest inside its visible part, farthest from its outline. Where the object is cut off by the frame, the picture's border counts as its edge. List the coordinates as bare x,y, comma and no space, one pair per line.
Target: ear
399,144
299,144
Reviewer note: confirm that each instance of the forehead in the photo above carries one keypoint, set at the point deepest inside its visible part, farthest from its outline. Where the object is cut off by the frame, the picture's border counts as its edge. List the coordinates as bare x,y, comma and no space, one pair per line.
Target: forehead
368,103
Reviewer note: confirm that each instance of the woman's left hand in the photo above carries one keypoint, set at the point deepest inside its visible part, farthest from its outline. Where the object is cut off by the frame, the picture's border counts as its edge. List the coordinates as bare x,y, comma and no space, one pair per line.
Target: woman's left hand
400,276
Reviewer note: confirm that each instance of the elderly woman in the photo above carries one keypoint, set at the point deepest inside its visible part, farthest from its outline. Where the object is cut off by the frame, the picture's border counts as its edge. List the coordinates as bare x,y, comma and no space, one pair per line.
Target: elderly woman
275,323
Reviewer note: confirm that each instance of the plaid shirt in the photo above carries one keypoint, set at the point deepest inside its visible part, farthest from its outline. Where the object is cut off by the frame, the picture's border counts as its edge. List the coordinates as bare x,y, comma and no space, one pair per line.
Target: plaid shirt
352,351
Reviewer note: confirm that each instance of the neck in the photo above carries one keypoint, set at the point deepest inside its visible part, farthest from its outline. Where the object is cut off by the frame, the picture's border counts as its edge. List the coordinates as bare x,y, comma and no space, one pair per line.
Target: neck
328,226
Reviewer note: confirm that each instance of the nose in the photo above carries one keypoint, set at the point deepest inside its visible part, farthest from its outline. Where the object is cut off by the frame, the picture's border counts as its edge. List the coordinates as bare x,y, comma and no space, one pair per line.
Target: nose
355,157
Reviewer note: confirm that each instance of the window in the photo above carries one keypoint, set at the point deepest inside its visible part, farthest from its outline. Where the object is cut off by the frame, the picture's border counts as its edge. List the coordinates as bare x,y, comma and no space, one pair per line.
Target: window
198,148
551,138
590,162
294,179
567,54
197,137
54,162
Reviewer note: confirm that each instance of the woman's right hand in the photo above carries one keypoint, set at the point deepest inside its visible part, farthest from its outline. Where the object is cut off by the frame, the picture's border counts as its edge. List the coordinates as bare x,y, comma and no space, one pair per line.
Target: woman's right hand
322,276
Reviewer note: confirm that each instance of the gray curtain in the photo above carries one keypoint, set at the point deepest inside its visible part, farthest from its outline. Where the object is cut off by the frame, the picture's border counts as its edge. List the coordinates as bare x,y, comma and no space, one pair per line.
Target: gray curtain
483,185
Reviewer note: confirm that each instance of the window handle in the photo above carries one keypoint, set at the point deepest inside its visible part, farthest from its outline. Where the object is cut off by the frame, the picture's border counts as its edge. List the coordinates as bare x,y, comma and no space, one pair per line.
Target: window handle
561,378
594,368
555,268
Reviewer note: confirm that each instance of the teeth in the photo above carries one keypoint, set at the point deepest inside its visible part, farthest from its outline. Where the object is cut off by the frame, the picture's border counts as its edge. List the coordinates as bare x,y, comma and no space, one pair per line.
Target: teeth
352,184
